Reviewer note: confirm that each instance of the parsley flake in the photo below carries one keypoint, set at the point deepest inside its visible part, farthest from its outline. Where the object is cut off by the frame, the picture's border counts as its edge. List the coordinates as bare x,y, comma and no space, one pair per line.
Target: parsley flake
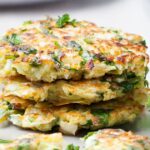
88,135
27,22
61,22
72,147
102,114
65,19
28,51
4,141
143,43
88,123
75,45
57,44
14,39
32,51
35,62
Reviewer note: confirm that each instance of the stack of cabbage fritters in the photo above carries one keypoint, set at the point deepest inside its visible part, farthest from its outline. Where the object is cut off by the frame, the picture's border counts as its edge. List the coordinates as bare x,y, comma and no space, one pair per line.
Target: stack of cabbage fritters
71,74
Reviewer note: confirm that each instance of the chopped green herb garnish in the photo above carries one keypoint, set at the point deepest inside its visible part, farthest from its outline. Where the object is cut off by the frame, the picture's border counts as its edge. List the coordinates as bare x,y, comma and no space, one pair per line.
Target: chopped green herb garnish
32,51
111,63
47,31
88,40
65,19
127,86
143,43
127,76
148,102
146,84
141,142
27,22
56,57
9,105
13,57
5,141
119,37
72,147
35,62
29,51
69,68
146,71
73,22
130,75
86,56
23,146
75,45
115,31
5,110
82,63
88,135
102,114
26,50
14,39
100,94
57,44
88,123
100,57
31,120
130,81
23,30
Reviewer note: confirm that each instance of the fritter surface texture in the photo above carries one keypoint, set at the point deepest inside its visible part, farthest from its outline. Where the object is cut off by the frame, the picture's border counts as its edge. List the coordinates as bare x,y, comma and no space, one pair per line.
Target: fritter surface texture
65,92
69,118
44,50
116,139
34,142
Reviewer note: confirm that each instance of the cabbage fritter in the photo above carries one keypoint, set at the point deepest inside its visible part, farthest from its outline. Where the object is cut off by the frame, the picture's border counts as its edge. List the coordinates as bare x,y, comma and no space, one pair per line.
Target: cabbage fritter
115,139
45,50
34,142
70,118
64,92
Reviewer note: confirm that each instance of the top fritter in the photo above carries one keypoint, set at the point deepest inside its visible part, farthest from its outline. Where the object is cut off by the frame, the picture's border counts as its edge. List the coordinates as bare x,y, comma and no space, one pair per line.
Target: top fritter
63,48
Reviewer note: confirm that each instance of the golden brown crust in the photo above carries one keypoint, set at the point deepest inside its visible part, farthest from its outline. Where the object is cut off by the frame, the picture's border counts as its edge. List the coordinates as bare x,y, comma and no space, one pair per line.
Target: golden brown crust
70,118
118,139
45,52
